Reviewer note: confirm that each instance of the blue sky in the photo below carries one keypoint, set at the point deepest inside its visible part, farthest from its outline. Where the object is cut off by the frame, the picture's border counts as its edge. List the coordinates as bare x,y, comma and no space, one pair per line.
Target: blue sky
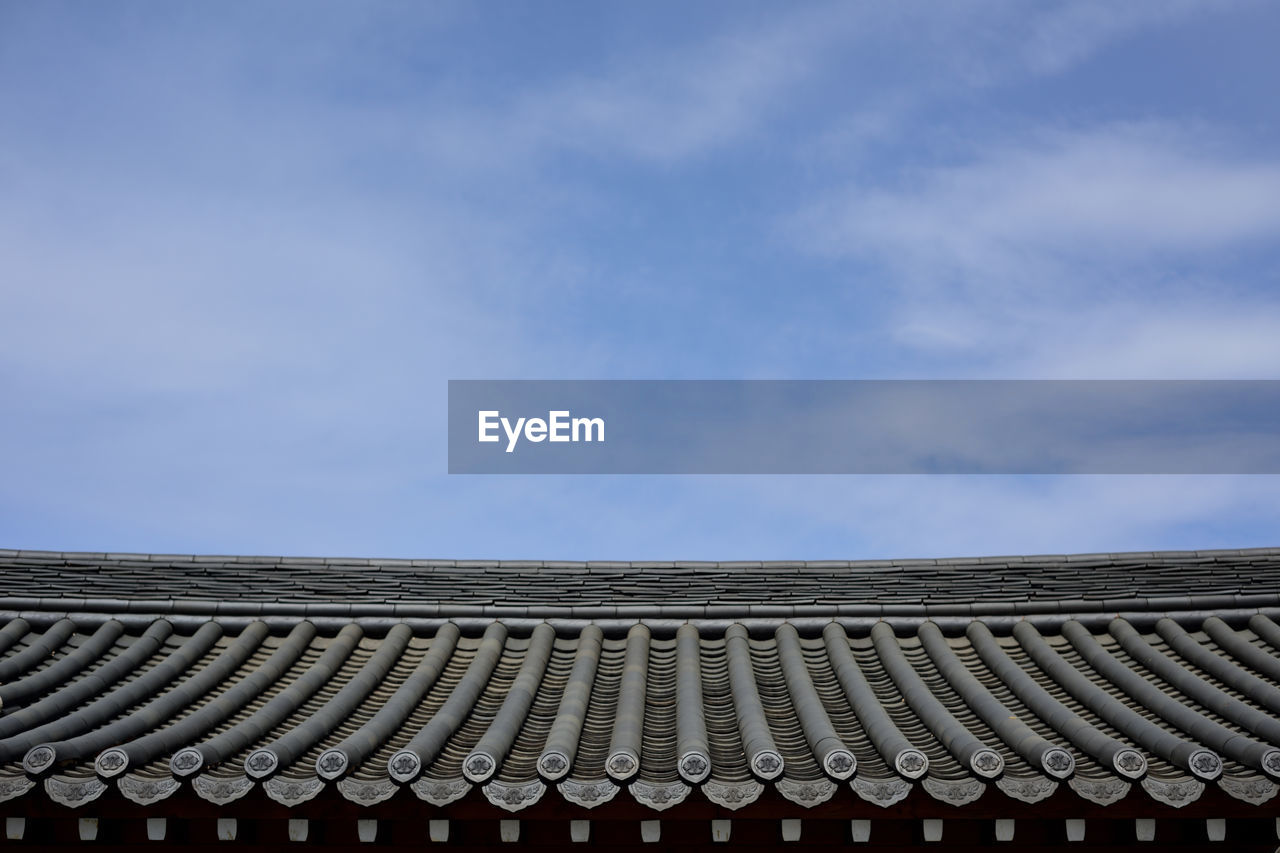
244,246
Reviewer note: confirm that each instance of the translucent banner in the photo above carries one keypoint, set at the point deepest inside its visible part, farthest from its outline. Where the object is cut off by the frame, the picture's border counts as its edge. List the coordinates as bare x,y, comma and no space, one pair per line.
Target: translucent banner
864,427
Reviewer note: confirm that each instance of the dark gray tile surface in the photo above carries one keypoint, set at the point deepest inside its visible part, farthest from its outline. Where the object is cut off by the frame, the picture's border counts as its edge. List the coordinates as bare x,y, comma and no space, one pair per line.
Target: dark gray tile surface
1193,700
1182,579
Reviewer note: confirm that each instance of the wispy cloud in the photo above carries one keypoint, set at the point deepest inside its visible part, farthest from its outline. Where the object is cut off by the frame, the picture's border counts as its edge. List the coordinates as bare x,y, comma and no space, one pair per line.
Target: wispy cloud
1116,192
668,108
658,105
1108,251
1194,339
707,93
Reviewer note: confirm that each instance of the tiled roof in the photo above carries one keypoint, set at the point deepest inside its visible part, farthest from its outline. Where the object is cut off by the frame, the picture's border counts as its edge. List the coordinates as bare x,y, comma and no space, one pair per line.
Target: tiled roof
223,675
305,586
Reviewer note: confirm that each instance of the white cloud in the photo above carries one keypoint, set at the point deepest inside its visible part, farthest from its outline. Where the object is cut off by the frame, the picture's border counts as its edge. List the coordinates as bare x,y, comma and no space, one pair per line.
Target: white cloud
1114,192
1186,341
1099,253
1106,338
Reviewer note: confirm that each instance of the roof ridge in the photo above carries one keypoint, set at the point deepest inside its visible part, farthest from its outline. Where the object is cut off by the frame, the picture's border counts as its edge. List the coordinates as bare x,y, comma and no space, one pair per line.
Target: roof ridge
1142,581
247,559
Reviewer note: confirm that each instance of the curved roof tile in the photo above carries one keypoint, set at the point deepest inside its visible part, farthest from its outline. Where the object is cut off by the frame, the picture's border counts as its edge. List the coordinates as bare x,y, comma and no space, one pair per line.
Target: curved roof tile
720,706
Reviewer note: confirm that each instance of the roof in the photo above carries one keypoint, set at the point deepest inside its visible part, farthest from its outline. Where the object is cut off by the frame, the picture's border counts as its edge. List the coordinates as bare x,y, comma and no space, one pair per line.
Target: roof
444,589
1149,676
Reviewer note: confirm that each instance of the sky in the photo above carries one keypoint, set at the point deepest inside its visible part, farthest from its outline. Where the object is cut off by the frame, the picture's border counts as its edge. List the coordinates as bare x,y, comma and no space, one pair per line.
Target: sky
244,246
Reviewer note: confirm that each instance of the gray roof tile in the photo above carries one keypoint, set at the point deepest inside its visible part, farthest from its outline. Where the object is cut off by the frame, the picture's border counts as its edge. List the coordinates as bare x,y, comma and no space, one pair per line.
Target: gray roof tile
1092,690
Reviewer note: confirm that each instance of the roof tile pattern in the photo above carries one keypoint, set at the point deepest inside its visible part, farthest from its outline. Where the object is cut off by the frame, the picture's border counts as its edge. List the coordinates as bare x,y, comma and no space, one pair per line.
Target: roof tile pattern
522,710
377,715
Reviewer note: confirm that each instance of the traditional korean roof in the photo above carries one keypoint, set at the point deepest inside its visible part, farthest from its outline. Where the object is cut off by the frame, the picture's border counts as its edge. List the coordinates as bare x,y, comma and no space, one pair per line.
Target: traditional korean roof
1112,676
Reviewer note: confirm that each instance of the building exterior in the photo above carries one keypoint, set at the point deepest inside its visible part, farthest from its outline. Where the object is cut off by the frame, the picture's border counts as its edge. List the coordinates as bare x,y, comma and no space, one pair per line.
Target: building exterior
1103,700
